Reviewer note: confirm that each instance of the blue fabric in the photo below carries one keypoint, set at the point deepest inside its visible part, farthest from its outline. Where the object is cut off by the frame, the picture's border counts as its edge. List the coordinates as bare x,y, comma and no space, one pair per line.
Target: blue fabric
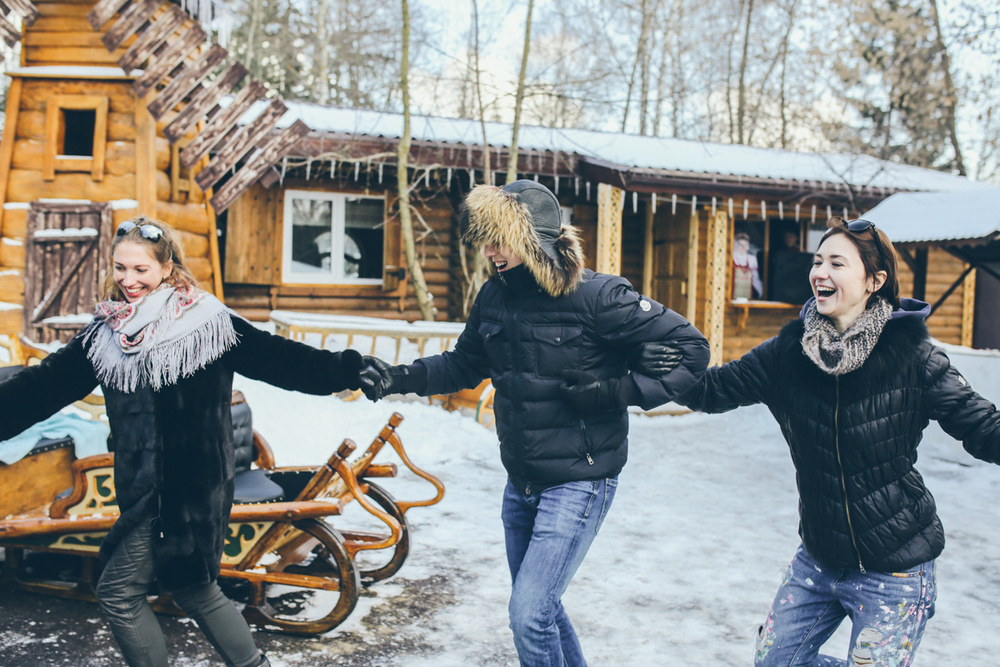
888,611
548,532
90,437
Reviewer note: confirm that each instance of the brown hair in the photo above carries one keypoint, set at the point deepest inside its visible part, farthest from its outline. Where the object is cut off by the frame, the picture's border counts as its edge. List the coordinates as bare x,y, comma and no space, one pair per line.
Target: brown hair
868,242
165,250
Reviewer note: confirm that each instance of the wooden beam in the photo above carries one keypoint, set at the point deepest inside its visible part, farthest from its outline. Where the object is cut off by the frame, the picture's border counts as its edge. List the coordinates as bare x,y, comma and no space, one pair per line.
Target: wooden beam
954,286
202,101
185,82
103,11
692,266
647,253
221,123
718,289
136,16
151,38
609,228
968,308
261,161
145,158
240,145
9,33
7,143
171,58
920,274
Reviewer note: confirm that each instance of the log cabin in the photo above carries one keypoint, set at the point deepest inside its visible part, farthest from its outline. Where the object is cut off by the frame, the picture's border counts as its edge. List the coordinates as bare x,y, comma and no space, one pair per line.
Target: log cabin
127,105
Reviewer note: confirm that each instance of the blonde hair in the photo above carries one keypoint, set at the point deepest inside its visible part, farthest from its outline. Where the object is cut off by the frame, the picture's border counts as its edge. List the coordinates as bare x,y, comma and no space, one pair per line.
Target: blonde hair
165,250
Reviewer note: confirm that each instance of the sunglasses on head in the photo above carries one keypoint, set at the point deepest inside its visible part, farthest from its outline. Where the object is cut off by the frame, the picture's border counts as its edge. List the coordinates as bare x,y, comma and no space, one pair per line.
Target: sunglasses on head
148,232
860,225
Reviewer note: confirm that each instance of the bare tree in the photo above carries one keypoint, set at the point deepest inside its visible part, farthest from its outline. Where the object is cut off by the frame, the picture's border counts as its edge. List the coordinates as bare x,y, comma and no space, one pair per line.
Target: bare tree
425,301
519,98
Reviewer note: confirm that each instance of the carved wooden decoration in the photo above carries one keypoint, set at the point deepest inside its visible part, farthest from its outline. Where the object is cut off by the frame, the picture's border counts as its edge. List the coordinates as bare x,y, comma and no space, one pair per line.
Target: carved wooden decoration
204,103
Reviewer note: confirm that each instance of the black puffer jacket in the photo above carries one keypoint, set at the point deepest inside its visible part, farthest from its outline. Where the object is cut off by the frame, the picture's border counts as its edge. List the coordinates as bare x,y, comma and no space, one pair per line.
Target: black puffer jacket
174,447
853,438
524,339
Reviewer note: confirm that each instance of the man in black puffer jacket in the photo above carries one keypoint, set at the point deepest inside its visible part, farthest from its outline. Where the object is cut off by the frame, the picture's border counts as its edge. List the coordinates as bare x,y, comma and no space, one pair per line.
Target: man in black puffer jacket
558,341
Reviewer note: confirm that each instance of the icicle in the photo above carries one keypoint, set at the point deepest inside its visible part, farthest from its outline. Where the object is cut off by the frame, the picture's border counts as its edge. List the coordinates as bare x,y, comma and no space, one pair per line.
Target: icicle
730,208
380,165
357,169
763,209
536,177
333,168
635,202
653,200
309,163
845,213
746,208
557,185
449,178
797,207
284,167
781,210
588,190
472,178
713,207
673,204
493,177
576,186
813,221
829,212
694,203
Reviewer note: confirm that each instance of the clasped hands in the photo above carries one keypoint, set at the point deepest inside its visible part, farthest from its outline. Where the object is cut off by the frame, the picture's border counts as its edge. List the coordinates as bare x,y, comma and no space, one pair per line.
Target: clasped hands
585,392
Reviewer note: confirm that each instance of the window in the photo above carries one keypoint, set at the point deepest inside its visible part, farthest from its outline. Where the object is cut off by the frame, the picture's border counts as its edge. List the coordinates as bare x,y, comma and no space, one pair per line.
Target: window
769,262
75,135
332,238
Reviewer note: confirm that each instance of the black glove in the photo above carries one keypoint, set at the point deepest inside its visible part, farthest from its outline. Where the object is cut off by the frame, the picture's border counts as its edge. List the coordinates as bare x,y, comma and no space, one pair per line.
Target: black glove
585,392
655,359
351,363
379,379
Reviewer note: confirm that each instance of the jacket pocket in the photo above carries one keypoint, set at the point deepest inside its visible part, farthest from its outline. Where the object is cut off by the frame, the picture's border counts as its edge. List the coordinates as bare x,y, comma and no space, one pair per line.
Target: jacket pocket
557,348
495,344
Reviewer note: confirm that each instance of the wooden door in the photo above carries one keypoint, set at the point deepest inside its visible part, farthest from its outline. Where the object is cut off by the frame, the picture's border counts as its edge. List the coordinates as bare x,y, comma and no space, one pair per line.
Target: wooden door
66,258
671,234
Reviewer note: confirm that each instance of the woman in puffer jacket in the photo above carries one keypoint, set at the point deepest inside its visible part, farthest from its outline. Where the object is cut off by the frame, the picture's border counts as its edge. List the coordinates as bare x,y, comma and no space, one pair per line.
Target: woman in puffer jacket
853,384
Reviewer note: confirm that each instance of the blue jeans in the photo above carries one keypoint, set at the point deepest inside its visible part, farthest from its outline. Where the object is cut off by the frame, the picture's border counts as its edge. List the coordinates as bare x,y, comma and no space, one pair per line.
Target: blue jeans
548,533
888,612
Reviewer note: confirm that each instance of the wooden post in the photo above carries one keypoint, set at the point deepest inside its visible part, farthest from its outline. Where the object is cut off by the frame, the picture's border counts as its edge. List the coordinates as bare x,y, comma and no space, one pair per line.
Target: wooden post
692,268
968,307
145,156
647,255
718,262
7,144
609,228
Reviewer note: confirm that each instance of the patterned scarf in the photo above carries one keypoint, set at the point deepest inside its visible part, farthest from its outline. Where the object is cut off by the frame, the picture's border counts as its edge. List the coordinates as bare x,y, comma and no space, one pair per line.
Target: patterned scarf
835,353
167,335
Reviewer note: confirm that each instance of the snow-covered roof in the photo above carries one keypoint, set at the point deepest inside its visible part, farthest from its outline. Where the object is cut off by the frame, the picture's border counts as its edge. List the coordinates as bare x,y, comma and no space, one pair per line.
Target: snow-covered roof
635,151
939,216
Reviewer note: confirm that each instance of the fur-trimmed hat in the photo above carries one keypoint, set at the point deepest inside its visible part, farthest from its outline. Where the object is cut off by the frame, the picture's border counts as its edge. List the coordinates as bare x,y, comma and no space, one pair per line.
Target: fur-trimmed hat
524,217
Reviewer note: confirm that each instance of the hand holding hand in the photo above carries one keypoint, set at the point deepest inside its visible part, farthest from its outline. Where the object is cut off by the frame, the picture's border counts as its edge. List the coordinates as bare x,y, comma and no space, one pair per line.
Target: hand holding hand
585,392
655,359
376,378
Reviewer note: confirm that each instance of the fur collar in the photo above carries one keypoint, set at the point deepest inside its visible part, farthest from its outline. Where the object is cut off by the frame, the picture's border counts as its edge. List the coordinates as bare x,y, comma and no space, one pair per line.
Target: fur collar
496,218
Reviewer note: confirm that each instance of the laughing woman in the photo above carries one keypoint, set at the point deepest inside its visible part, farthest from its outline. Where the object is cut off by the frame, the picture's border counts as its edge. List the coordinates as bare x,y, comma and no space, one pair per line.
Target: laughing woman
164,353
852,384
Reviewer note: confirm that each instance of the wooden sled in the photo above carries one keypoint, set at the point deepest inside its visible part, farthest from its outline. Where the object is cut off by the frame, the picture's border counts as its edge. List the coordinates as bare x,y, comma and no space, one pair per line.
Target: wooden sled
286,558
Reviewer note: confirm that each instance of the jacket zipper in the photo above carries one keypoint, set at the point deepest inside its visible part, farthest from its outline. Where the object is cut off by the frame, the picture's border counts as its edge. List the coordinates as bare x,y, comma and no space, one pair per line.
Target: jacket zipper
843,476
516,366
586,442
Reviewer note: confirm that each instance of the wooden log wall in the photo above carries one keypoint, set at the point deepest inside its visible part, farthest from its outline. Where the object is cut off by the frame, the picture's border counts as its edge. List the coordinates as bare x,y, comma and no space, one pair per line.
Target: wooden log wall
942,270
253,262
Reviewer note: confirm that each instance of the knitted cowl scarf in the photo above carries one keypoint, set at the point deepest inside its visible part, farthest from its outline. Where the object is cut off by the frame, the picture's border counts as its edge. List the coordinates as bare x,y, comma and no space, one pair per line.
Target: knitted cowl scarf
838,353
167,335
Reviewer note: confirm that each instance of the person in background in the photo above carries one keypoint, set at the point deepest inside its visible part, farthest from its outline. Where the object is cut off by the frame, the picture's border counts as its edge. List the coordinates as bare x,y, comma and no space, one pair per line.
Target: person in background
164,353
746,277
557,340
852,384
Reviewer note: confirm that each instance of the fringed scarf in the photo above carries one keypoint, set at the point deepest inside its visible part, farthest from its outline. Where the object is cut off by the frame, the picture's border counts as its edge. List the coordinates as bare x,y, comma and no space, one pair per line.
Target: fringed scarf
167,335
835,353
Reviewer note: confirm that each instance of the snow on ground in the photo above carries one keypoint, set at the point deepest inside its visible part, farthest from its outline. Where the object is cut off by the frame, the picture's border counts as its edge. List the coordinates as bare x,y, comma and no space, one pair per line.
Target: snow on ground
700,533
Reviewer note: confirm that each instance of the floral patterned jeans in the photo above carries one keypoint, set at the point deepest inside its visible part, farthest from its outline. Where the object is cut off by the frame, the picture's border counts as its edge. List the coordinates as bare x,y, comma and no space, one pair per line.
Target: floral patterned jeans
888,611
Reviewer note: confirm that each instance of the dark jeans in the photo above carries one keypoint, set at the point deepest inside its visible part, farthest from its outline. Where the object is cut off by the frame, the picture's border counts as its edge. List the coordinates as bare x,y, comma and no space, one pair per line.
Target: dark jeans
548,534
122,592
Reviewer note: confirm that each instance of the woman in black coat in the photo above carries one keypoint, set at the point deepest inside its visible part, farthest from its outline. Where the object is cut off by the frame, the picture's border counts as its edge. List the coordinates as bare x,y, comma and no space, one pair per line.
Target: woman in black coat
852,384
164,353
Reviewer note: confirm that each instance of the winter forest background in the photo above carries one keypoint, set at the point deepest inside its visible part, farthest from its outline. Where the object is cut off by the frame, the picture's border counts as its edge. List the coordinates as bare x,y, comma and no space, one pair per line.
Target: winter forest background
914,81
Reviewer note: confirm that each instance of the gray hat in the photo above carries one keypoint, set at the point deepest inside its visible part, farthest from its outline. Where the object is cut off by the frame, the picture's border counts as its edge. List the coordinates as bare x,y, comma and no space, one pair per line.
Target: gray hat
544,209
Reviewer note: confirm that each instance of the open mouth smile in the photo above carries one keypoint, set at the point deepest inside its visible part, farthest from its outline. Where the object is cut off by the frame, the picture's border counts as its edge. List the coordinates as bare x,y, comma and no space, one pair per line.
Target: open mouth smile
822,291
501,266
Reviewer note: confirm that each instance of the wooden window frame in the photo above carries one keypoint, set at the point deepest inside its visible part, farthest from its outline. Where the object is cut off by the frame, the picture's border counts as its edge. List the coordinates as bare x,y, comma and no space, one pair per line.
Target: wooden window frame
54,129
289,278
178,185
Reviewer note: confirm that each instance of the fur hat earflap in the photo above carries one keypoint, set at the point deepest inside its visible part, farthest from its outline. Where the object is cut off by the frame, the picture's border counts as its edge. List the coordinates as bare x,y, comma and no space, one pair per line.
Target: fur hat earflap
524,217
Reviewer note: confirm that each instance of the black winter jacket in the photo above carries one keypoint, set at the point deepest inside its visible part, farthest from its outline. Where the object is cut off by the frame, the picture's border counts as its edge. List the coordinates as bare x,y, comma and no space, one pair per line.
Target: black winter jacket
523,339
174,447
853,438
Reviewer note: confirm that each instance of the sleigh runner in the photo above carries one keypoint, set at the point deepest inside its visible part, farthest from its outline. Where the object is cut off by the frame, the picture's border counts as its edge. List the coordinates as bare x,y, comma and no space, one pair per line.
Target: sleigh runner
288,536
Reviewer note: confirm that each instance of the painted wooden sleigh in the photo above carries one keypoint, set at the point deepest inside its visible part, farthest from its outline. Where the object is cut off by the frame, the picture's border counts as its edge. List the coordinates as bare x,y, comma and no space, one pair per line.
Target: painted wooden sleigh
296,555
